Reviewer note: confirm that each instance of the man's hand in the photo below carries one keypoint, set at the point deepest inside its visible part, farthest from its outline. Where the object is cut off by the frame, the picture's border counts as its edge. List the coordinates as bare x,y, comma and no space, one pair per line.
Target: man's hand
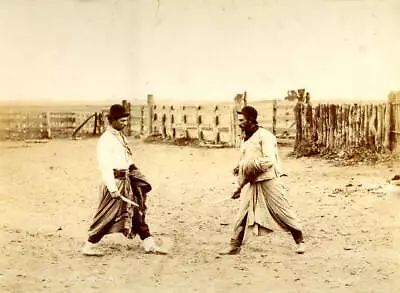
236,171
132,167
236,193
115,194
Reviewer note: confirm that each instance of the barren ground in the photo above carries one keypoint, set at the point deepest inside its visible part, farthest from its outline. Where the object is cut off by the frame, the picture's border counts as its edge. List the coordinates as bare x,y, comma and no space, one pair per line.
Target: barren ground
49,193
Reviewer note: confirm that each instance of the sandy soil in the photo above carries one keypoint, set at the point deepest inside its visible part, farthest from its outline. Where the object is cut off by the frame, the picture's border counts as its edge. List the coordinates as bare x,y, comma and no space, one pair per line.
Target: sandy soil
49,193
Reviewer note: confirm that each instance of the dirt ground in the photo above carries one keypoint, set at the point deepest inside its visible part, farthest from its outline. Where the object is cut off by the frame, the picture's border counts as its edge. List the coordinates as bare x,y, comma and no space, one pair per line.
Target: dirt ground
49,193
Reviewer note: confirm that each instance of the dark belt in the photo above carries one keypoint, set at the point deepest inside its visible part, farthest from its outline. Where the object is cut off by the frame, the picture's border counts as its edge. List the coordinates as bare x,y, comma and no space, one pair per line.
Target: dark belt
121,173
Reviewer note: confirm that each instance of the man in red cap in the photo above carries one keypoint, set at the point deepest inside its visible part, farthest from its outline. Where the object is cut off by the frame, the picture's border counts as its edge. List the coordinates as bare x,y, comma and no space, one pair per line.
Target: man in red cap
264,207
123,192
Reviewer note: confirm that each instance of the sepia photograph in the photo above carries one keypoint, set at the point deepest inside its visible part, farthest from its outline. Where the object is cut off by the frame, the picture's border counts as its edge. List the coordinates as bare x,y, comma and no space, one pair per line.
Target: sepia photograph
174,146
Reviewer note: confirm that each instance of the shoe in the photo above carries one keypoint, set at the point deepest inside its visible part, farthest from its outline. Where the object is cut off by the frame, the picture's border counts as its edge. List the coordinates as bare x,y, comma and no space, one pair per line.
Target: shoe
232,250
150,247
301,248
90,249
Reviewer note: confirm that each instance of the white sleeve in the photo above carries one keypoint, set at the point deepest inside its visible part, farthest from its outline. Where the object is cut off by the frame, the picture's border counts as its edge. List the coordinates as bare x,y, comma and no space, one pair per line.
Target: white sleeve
104,155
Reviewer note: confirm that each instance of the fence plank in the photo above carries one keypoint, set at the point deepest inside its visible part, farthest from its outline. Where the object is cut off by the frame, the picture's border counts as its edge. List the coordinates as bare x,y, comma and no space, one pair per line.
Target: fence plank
349,126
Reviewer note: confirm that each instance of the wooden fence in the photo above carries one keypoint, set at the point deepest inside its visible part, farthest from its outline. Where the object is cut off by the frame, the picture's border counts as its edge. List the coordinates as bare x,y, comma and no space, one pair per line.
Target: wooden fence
206,122
329,126
335,127
216,123
394,104
277,116
213,123
38,125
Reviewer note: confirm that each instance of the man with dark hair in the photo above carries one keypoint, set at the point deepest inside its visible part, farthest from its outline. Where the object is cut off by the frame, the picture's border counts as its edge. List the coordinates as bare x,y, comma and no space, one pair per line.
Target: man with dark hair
123,192
264,207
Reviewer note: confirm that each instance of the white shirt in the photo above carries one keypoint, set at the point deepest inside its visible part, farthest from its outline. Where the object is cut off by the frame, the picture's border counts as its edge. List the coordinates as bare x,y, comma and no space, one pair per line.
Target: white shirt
112,154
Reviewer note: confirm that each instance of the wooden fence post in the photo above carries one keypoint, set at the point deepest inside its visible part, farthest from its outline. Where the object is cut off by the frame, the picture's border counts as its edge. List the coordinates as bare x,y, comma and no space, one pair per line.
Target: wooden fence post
150,108
340,126
96,121
185,119
350,121
362,123
327,128
274,114
163,122
127,107
378,139
382,134
48,125
394,135
388,125
232,126
239,103
371,127
142,120
366,124
298,113
332,125
358,126
198,123
346,125
215,125
308,113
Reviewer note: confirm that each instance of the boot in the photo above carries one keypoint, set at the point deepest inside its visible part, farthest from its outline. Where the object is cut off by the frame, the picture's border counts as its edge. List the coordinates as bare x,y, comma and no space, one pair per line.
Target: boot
231,250
235,243
150,246
301,247
90,249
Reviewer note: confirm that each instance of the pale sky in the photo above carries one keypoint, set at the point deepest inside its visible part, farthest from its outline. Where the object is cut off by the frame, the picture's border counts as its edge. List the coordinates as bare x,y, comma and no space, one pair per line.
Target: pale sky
198,49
